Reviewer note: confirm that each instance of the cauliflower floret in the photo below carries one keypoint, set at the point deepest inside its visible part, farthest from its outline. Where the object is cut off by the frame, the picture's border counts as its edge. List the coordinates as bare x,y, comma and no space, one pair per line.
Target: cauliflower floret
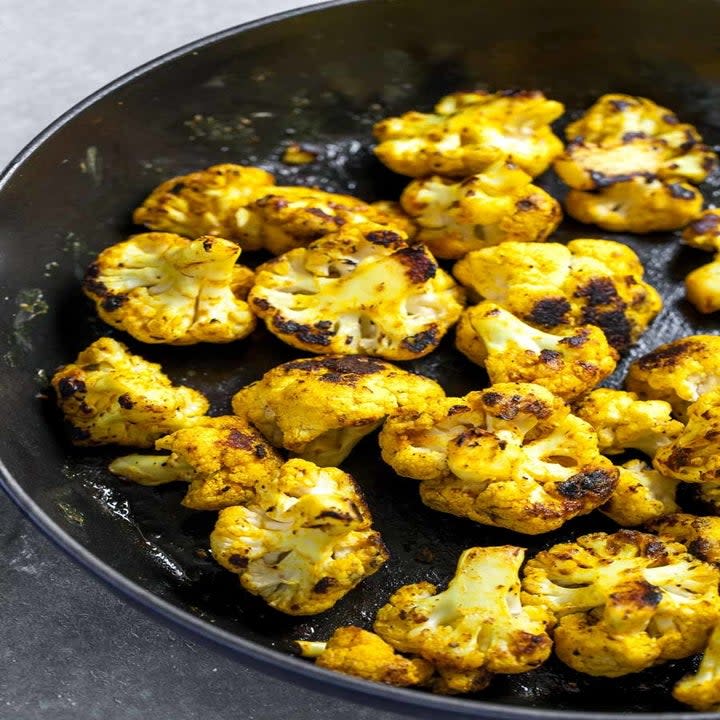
702,287
693,455
485,209
477,625
109,395
206,202
702,690
642,494
704,232
319,408
512,351
624,601
699,534
468,130
510,456
556,287
361,291
163,288
638,205
305,541
290,217
623,422
678,372
364,654
225,461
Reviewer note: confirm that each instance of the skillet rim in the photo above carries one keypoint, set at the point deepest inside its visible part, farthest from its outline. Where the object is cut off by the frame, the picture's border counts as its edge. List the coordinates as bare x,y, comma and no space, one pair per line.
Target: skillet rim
287,667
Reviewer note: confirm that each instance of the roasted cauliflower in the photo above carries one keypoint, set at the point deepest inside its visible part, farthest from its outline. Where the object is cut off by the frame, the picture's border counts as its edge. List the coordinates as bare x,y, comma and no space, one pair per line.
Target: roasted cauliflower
704,232
163,288
361,291
355,651
556,287
476,627
470,129
699,534
490,207
108,395
623,422
702,287
702,690
512,351
624,601
225,461
678,372
290,217
641,495
319,408
511,456
205,202
303,543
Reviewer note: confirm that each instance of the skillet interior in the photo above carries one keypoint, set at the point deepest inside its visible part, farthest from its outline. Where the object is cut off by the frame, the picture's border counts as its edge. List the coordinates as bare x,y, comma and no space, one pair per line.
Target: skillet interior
321,78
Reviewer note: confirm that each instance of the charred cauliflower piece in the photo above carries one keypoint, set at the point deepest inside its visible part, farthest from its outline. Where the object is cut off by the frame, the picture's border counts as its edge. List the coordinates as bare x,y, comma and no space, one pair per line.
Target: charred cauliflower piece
225,461
476,627
512,351
693,455
641,495
623,422
625,601
354,651
702,287
556,287
485,209
702,690
290,217
678,372
511,456
629,162
361,291
468,130
206,202
699,534
704,232
163,288
305,541
319,408
109,396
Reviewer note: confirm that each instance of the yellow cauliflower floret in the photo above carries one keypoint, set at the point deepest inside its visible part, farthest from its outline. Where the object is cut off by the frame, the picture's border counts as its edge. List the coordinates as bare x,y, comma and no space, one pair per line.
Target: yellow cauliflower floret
354,651
510,456
163,288
699,534
303,543
641,495
290,217
205,202
362,291
702,287
678,372
704,232
702,690
511,351
622,421
470,129
624,601
225,461
319,408
493,206
693,455
478,624
108,395
556,287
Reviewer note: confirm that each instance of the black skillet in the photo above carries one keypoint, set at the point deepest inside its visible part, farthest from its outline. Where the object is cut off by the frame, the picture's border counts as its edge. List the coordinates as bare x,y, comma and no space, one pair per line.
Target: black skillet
321,77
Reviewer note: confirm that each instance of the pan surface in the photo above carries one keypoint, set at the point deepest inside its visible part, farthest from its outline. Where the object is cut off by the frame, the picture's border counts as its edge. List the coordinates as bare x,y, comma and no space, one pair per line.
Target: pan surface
322,78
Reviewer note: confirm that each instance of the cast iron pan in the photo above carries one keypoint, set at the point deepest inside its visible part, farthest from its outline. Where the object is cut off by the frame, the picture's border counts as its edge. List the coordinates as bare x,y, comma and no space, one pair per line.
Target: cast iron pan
321,77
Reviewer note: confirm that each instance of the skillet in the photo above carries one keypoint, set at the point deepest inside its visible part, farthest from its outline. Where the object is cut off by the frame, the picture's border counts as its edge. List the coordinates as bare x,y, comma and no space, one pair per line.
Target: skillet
326,75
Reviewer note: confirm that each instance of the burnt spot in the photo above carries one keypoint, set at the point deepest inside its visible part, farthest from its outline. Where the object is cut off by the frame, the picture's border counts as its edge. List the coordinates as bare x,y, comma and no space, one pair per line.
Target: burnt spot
670,119
577,340
637,135
491,399
334,515
456,409
708,223
681,192
419,266
656,550
526,644
553,358
595,482
422,341
601,180
702,548
709,162
237,439
208,244
475,436
324,584
614,323
318,213
639,593
260,452
342,369
620,105
550,312
90,282
113,302
383,237
679,458
126,402
261,304
525,204
669,355
599,291
238,561
304,333
67,387
274,201
508,407
77,434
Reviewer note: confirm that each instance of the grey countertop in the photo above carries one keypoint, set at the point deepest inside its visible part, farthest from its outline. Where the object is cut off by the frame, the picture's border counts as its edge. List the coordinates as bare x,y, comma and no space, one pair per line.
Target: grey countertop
71,648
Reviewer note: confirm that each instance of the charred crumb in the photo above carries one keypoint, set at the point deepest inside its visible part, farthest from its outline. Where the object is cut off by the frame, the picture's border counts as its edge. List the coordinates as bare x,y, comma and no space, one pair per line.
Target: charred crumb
419,267
304,333
260,452
550,312
594,482
67,387
422,341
